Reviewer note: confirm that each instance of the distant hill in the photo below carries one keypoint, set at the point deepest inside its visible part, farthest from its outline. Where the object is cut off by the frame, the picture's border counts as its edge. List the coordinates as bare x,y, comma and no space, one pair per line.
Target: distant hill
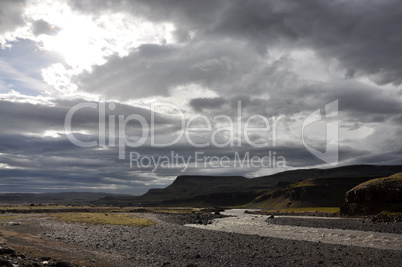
53,198
297,188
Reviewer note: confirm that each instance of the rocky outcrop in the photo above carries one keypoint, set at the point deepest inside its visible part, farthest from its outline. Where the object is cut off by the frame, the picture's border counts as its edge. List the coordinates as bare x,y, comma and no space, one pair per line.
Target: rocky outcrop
374,196
377,190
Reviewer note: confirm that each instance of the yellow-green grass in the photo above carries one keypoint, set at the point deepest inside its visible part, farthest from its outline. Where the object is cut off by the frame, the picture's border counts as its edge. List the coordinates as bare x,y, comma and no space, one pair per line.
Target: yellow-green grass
396,175
42,207
306,209
4,218
100,208
103,218
307,182
394,180
64,207
173,210
392,213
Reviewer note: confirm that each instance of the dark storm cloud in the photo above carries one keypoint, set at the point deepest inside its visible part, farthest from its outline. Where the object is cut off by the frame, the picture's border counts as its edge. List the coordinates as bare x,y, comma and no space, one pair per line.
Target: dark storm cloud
358,102
363,35
36,119
361,102
11,14
198,104
242,105
155,69
24,117
55,162
392,158
27,154
43,27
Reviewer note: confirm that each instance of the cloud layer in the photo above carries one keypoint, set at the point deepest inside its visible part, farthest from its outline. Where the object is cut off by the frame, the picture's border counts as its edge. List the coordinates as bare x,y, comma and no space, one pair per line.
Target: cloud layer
226,63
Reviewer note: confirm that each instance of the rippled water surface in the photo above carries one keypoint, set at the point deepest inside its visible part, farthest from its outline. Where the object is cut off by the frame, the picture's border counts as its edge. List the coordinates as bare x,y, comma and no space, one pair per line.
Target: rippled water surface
243,223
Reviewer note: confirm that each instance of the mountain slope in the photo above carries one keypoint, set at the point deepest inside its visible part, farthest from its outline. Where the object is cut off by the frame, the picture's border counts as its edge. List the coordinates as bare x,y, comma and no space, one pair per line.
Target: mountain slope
325,187
311,192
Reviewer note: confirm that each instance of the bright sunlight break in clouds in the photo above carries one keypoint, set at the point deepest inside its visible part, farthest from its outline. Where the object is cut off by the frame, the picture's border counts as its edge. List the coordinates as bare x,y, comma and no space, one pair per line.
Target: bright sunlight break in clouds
203,69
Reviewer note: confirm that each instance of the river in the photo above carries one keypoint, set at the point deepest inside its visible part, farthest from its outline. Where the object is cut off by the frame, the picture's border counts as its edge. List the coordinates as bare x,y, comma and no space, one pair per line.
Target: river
244,223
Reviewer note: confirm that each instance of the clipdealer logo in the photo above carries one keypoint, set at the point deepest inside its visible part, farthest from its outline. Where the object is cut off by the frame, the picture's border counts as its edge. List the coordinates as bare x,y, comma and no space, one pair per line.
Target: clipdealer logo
331,153
237,133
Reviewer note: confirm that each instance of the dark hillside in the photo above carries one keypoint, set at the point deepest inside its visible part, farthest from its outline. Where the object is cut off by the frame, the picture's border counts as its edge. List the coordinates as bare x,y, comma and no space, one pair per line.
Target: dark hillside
311,187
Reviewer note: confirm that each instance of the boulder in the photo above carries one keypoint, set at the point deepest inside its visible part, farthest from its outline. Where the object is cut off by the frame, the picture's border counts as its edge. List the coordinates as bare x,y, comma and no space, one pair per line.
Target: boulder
6,251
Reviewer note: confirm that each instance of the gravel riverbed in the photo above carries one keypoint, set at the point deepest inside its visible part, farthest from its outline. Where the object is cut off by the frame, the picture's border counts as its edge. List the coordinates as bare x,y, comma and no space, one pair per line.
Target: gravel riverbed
171,243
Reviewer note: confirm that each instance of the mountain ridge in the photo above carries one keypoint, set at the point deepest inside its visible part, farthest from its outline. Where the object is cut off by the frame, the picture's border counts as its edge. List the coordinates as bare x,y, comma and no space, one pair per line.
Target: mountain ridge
199,190
301,187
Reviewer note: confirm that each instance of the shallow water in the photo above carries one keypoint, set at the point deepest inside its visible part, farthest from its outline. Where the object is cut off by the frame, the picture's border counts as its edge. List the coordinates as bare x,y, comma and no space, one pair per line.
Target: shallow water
243,223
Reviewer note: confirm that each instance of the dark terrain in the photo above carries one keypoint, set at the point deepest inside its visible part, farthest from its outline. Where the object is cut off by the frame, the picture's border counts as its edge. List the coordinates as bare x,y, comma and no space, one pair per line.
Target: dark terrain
298,188
70,198
359,190
289,189
171,243
374,196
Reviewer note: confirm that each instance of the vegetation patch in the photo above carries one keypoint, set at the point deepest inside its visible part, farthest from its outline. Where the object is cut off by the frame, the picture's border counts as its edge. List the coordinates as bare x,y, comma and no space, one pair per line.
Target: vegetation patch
29,207
305,209
391,181
8,218
307,182
176,211
46,209
103,218
392,213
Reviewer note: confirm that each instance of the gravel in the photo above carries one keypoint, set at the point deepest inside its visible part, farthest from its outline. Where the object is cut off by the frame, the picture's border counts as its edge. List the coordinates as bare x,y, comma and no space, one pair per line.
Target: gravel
171,243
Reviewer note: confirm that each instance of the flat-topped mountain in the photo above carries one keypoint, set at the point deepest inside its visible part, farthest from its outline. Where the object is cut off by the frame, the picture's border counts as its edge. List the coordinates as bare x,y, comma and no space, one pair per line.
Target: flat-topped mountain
295,188
312,187
190,185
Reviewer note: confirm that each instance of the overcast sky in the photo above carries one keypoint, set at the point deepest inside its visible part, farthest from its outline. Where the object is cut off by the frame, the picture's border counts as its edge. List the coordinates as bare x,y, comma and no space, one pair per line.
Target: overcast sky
144,71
